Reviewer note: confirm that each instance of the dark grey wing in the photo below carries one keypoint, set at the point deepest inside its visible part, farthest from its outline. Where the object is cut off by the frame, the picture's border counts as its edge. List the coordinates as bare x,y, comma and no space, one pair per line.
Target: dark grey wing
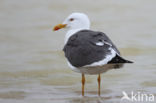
81,48
104,38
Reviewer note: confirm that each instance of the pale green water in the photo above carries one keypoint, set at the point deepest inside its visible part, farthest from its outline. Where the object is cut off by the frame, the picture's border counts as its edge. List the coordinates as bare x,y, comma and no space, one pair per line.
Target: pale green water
32,65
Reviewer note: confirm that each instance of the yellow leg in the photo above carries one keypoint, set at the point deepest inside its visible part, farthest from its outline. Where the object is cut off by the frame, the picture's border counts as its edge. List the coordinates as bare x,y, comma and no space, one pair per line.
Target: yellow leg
83,83
99,82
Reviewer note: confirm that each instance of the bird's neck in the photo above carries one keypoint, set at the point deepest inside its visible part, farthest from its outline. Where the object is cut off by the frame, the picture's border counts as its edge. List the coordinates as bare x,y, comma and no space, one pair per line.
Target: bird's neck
72,32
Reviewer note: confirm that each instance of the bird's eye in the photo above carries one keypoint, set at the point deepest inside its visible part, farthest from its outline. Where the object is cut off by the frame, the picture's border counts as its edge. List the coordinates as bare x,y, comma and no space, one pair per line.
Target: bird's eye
71,19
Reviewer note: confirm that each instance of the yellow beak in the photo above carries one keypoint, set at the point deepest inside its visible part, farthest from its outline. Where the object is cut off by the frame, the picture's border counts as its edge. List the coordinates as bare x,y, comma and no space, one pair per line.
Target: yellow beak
59,26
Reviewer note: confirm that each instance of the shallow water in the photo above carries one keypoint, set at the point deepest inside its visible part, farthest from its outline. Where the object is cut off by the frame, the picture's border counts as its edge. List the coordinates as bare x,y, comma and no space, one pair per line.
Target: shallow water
32,65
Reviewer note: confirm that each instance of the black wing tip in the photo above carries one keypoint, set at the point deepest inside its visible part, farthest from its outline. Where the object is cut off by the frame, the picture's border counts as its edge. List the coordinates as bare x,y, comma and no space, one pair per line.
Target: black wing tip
118,59
127,61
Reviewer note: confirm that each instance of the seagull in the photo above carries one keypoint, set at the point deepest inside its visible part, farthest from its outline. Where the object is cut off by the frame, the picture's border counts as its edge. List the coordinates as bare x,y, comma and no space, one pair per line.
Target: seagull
87,51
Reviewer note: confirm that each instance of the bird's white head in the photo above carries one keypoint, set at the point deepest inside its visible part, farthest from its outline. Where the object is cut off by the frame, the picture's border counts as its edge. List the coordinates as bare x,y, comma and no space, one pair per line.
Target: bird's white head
74,21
